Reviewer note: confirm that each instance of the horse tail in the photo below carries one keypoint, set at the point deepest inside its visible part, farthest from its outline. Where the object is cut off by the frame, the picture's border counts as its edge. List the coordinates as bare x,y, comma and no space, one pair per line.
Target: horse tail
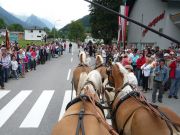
82,80
82,57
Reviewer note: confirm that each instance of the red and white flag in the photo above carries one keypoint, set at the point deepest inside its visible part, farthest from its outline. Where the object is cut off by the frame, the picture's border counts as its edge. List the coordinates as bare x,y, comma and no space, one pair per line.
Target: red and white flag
7,40
124,11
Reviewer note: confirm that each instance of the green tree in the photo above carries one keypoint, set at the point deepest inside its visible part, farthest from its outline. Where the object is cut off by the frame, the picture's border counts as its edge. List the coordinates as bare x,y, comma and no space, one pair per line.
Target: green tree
2,24
104,25
16,27
76,31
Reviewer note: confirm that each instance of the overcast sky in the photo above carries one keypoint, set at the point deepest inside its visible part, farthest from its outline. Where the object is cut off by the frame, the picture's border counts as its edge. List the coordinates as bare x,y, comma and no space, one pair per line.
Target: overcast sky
63,10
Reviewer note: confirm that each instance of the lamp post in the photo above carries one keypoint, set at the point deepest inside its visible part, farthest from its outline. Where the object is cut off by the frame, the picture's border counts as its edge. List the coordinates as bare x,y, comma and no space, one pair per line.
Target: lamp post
55,28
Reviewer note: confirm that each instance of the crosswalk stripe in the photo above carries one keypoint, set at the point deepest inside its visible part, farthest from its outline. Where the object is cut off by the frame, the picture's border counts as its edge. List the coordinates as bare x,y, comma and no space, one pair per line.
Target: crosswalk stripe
3,93
66,100
37,112
69,73
12,106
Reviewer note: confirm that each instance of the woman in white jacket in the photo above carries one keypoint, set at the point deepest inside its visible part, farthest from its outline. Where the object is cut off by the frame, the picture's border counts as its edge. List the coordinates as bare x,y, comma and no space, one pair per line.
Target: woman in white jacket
146,70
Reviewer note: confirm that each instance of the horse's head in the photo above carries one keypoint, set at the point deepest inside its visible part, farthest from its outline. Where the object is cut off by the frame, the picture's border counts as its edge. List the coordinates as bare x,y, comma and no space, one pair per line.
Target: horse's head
82,57
99,60
117,76
93,83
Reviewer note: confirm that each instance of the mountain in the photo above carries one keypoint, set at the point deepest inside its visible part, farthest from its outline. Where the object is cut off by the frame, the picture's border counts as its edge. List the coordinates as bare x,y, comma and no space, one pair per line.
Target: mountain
10,18
47,23
44,21
85,21
22,17
35,21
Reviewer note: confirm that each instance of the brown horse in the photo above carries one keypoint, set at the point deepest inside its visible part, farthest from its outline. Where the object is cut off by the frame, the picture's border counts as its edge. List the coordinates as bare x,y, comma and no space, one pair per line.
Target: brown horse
132,115
82,67
83,116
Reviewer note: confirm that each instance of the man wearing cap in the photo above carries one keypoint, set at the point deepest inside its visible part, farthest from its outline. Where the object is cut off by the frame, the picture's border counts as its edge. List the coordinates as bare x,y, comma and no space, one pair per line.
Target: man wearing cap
175,78
161,76
6,62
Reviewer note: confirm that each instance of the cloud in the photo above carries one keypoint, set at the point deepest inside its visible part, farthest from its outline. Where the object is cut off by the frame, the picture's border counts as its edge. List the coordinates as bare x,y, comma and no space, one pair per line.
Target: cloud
64,10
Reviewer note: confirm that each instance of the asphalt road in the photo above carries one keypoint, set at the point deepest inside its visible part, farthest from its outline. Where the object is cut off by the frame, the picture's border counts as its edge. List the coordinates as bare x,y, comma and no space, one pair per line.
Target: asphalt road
32,105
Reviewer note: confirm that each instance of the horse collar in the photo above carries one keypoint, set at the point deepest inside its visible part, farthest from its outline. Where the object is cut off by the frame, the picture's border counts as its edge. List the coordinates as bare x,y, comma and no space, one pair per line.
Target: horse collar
121,88
90,82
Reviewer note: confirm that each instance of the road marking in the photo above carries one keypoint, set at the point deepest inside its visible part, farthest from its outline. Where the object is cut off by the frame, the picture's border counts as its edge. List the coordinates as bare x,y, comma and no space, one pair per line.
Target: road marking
37,112
69,73
71,59
66,100
12,106
3,93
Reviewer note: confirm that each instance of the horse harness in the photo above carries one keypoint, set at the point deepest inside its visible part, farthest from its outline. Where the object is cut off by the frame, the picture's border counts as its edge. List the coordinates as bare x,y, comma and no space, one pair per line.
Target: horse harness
141,99
82,65
98,66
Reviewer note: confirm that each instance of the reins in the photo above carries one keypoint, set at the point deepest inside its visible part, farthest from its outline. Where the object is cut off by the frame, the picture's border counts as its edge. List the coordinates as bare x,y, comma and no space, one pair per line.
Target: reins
98,114
154,109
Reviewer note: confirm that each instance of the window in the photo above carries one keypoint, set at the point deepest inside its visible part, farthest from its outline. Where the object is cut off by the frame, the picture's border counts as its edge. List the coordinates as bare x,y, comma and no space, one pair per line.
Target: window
39,36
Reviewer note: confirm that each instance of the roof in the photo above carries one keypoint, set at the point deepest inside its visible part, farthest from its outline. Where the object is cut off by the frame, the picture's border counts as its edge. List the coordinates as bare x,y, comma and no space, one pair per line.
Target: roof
16,32
34,28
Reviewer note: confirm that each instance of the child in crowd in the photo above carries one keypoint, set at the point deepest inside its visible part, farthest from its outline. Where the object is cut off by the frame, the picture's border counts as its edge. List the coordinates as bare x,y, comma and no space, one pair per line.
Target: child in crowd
14,64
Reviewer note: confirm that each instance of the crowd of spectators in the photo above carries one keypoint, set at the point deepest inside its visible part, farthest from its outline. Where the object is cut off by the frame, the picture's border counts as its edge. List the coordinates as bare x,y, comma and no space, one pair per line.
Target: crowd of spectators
16,61
155,69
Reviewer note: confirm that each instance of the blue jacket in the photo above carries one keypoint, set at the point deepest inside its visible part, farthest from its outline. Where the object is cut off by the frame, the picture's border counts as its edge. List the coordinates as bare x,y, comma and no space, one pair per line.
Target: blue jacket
163,74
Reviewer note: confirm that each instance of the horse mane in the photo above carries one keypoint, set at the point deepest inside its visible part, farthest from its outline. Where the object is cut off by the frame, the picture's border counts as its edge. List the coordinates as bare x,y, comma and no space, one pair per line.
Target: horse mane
100,59
95,77
82,57
82,80
123,71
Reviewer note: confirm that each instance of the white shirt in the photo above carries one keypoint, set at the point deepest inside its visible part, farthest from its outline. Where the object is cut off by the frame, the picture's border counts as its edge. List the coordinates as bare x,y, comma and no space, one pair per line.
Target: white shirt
146,69
132,79
14,65
103,54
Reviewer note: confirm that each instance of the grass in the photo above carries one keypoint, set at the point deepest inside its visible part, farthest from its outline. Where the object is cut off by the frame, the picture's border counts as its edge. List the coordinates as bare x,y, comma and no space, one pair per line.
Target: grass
23,43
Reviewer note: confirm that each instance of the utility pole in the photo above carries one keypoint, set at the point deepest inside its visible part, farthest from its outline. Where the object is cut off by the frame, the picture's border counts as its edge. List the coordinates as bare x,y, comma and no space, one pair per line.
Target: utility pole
55,28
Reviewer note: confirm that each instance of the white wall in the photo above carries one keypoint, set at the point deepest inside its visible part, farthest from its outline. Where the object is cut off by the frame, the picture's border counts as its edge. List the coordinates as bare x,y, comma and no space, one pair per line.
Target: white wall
34,34
150,9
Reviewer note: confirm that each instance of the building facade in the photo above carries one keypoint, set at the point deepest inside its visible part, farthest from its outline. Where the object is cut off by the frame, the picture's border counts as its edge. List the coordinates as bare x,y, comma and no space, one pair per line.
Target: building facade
161,15
34,34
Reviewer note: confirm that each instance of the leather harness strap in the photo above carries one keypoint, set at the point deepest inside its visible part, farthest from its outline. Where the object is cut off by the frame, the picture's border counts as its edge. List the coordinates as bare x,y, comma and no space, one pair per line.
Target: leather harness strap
98,66
79,99
121,131
82,65
80,124
141,99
